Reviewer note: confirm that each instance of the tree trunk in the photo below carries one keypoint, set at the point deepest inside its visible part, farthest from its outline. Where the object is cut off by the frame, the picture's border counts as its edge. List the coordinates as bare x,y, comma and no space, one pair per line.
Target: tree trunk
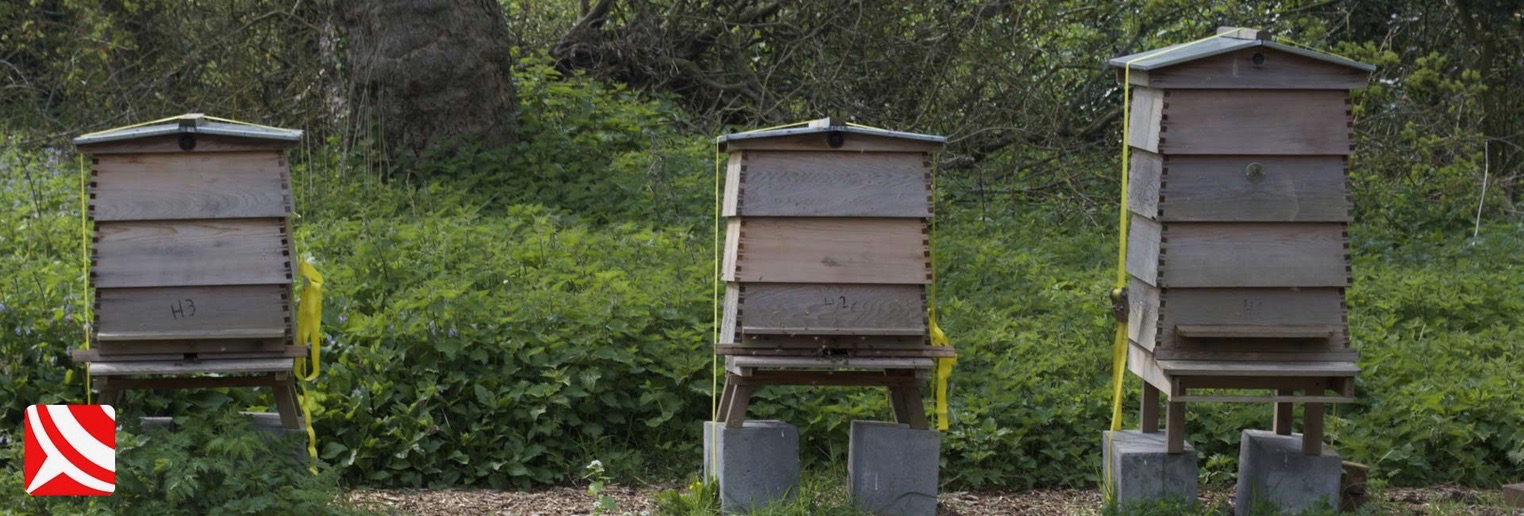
432,75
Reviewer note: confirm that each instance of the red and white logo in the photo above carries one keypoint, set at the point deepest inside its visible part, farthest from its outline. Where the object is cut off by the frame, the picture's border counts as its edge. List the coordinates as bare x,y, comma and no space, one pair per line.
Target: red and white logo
70,450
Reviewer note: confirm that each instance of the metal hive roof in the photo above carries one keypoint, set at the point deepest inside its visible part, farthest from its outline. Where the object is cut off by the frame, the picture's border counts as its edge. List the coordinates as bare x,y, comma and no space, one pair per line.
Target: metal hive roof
826,125
191,123
1176,54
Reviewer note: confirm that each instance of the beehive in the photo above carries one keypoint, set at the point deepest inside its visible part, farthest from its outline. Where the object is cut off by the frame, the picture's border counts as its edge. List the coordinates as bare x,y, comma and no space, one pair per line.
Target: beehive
827,260
191,256
1237,248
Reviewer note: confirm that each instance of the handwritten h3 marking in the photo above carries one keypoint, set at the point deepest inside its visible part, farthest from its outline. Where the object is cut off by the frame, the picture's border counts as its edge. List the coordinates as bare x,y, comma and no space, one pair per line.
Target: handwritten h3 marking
183,308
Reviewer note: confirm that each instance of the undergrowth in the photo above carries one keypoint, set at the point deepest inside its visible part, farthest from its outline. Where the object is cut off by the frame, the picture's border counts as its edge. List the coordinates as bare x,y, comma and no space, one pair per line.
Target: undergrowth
511,316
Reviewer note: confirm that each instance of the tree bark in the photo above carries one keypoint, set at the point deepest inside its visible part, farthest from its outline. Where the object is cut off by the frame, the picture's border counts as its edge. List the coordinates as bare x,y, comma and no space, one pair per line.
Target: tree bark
431,75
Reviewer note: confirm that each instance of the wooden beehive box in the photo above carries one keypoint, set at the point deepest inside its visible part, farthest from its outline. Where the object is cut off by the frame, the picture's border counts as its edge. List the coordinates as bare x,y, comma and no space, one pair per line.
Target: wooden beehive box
191,254
826,245
1237,251
827,263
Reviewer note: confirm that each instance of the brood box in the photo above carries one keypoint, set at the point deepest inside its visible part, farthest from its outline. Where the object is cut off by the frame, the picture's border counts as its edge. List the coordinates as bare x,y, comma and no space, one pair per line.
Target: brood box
827,259
1237,249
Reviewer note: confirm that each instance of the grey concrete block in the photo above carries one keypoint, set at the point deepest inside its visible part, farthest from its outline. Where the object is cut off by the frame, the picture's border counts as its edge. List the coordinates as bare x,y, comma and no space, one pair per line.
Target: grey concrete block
756,465
892,468
1140,471
1272,467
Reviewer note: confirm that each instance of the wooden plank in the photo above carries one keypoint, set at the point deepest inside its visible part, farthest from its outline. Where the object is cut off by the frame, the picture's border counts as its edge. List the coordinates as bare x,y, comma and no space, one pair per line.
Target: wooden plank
265,365
830,250
816,184
121,348
1142,363
1237,70
1247,331
829,378
1239,306
835,342
838,309
1143,244
203,311
101,355
1223,368
1254,189
1238,350
730,314
1257,254
922,352
190,186
169,335
1174,426
199,382
1146,119
744,362
1253,122
1312,428
1144,179
807,330
205,143
735,163
1148,415
1283,413
285,404
1308,384
1142,313
915,411
728,269
850,143
740,398
191,253
1268,398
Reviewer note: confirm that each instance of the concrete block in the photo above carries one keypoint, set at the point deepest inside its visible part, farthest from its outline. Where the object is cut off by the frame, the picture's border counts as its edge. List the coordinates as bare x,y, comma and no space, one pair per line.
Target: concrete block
756,465
892,468
1140,471
1513,495
1272,467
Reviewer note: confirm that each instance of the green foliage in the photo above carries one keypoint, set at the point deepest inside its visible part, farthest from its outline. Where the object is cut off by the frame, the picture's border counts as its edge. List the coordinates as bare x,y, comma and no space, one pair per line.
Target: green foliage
699,498
41,270
214,463
599,151
474,350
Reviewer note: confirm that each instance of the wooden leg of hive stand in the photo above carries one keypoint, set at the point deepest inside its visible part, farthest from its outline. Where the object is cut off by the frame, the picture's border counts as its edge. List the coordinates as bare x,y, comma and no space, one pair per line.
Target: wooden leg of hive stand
725,395
897,402
735,416
1149,415
915,411
109,393
1312,428
285,403
1283,413
1174,428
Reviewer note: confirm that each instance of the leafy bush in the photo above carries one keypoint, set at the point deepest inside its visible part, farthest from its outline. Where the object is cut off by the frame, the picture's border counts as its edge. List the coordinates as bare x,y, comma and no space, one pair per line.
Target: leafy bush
213,463
498,351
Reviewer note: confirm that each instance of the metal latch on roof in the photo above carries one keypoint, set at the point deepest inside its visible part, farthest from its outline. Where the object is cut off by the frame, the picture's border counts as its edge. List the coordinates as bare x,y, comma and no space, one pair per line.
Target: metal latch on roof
190,121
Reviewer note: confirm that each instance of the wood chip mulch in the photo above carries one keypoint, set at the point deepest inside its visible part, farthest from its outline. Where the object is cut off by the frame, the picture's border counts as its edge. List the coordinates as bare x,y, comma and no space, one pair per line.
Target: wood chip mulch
556,501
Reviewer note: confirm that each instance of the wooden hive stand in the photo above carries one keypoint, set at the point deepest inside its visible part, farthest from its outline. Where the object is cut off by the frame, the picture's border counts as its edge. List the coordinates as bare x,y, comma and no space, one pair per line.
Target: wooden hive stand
827,262
191,258
1238,251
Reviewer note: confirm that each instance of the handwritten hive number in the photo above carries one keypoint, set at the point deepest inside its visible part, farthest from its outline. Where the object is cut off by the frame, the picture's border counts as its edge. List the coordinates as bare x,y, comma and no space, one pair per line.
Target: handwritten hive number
840,301
183,308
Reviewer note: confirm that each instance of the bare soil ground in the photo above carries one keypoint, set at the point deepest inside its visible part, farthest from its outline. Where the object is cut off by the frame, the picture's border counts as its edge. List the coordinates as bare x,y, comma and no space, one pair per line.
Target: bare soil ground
557,501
